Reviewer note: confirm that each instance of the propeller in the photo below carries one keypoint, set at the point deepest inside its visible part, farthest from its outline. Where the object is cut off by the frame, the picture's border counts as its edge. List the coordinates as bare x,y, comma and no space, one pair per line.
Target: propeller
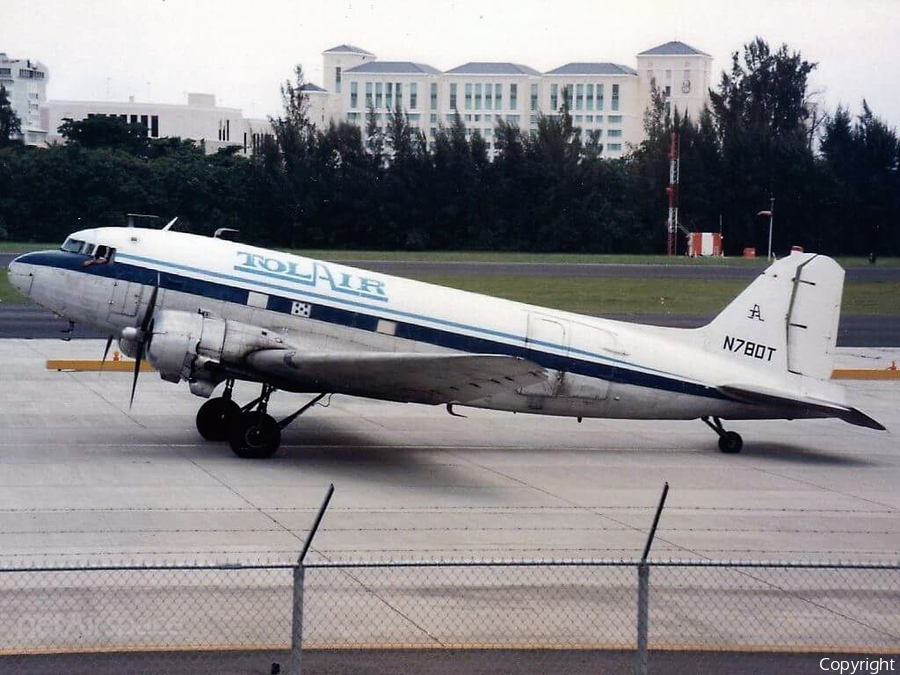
106,352
143,337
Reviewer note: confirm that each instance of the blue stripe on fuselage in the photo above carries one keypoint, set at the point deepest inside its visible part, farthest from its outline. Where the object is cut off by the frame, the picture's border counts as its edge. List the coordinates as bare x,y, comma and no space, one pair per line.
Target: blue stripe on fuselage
613,370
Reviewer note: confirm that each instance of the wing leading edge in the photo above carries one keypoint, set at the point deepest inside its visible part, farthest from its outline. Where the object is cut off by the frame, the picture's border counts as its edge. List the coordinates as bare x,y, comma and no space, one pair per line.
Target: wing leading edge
397,376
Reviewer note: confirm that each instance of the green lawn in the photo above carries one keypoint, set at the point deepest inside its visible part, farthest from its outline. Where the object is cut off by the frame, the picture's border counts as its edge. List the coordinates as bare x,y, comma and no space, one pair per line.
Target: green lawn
650,296
487,256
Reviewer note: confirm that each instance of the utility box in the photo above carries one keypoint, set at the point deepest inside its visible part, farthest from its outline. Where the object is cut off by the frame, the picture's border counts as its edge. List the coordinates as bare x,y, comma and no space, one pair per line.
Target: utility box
704,243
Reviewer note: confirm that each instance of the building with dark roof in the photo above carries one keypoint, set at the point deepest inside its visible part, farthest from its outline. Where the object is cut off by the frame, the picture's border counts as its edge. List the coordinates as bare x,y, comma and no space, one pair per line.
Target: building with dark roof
394,68
592,69
606,100
492,68
682,73
674,49
348,49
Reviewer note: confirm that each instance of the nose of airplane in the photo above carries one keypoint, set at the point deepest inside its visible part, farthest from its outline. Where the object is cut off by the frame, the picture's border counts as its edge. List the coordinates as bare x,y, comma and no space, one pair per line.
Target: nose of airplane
21,274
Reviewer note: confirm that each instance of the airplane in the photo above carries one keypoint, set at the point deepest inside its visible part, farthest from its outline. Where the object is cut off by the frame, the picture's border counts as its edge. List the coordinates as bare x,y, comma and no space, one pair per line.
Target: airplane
211,311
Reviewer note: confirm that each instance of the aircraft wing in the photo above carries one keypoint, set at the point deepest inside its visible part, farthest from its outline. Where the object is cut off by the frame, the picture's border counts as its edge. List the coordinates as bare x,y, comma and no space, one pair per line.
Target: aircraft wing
396,376
762,396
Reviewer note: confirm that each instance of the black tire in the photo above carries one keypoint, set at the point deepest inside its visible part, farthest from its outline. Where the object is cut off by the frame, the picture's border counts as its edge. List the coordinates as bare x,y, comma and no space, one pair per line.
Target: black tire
216,417
731,442
254,436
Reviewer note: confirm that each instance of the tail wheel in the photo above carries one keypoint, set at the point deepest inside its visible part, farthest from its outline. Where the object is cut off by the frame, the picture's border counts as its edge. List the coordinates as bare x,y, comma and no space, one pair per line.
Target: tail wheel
731,442
254,435
216,417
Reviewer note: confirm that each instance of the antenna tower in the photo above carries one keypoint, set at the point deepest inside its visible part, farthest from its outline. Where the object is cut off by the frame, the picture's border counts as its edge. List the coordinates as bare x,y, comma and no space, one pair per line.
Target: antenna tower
672,192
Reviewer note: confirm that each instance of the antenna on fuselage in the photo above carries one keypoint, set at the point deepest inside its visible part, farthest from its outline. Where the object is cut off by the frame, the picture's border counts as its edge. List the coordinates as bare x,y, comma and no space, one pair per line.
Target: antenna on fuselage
222,230
170,224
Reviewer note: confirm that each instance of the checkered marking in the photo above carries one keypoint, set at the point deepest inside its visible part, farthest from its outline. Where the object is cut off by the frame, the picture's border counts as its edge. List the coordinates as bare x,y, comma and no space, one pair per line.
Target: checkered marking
301,309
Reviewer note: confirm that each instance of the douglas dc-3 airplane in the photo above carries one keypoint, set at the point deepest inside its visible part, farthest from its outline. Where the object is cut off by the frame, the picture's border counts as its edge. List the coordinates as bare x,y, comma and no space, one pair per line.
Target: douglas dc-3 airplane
209,311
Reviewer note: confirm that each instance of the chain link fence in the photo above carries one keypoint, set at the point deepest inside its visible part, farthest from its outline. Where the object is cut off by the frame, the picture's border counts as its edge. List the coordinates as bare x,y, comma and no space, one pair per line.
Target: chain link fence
215,617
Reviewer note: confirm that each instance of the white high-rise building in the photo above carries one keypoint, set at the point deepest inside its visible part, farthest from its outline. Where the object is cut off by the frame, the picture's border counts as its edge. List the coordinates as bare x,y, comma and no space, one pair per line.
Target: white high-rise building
606,100
683,75
25,82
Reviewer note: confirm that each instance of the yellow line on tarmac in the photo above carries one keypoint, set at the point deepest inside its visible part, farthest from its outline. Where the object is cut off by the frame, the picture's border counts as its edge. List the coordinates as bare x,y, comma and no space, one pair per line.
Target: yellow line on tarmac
133,649
127,365
864,374
124,365
477,646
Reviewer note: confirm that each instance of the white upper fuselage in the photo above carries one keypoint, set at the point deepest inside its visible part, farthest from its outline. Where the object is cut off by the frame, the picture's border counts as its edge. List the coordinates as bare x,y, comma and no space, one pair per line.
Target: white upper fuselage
600,368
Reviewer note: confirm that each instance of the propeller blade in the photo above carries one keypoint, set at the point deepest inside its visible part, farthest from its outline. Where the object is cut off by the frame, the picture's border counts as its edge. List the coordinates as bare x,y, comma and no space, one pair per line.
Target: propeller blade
106,351
151,306
137,370
146,334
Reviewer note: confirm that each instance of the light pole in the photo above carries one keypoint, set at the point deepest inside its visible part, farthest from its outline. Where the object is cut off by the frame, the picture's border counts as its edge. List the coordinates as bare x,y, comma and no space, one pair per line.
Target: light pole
771,214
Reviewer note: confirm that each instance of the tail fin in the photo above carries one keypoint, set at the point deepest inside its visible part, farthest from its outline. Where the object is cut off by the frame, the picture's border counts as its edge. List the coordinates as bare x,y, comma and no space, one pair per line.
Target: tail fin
786,320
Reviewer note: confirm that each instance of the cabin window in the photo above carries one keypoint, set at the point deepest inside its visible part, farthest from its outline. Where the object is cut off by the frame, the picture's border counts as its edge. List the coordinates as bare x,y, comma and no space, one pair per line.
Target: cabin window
102,255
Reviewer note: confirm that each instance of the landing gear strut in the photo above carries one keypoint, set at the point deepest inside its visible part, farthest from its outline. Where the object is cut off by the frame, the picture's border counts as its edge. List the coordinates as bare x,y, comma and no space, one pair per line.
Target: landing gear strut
250,430
730,442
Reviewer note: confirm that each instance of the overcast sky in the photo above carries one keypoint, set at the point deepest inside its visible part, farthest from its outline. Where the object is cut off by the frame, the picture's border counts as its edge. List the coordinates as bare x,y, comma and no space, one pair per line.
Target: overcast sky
159,50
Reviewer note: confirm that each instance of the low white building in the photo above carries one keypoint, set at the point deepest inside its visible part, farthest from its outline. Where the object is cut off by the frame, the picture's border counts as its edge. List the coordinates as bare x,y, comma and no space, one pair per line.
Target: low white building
25,81
200,120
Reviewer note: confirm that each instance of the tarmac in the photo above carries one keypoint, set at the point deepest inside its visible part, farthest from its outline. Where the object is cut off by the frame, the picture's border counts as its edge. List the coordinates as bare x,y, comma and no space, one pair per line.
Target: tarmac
84,479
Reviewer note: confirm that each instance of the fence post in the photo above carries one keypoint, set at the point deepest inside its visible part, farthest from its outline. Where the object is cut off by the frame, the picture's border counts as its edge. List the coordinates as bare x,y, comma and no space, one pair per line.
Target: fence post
642,617
299,578
643,608
297,620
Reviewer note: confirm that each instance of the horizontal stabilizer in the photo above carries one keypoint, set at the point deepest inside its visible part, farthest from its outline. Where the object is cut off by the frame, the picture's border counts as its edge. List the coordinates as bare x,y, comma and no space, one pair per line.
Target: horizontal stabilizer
799,406
397,376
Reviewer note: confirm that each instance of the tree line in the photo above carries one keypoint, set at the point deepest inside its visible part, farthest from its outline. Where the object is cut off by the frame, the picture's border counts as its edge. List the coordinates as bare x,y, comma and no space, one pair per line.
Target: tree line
834,178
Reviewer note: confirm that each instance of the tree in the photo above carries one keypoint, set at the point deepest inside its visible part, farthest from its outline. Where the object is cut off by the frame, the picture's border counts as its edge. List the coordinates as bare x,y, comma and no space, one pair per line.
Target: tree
291,169
10,124
105,132
761,116
861,162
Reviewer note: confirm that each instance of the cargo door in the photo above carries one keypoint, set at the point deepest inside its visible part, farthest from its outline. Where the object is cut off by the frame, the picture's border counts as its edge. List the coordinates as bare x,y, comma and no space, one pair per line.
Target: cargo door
125,299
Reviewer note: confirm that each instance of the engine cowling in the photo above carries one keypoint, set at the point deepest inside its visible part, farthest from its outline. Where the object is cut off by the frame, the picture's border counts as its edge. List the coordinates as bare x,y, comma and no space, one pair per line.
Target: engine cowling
181,344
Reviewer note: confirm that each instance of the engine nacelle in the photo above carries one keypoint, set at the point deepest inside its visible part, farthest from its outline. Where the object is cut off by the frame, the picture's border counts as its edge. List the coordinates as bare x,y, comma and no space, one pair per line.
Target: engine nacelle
181,344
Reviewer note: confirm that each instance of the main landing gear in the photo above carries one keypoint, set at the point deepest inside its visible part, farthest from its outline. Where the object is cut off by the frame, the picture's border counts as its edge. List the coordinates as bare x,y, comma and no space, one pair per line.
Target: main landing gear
250,430
730,442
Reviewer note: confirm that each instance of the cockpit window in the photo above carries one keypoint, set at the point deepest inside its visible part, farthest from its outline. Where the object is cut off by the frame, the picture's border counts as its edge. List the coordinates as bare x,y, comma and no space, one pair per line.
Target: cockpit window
72,245
88,249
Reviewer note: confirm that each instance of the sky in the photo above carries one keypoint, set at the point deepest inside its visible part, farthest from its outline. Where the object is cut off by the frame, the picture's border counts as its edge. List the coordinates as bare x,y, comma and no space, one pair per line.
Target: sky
158,50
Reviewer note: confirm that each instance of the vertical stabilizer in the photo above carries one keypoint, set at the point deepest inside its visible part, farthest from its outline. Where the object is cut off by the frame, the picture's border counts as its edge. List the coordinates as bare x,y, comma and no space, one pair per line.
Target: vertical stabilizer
786,321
